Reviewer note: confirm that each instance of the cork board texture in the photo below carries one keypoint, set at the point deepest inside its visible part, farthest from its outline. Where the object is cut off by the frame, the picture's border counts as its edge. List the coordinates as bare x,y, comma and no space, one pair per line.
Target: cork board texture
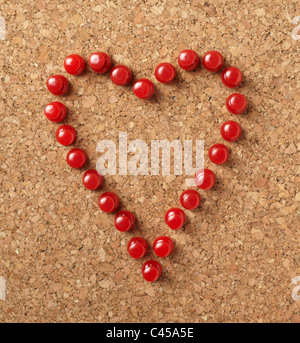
61,259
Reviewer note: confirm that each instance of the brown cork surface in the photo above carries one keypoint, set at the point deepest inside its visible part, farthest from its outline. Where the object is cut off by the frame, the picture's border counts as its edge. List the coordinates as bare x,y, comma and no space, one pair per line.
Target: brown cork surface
61,258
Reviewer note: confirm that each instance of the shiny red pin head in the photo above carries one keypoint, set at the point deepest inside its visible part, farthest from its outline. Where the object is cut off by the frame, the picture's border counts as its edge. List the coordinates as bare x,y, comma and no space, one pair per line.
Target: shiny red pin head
236,103
190,199
218,153
57,85
74,64
92,180
175,218
188,60
205,178
163,246
137,247
151,271
143,89
100,62
109,202
65,135
231,77
76,158
124,221
213,61
121,75
165,72
55,111
231,131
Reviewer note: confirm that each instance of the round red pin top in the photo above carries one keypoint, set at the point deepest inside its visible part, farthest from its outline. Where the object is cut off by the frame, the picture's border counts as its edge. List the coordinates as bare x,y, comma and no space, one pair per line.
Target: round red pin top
188,59
190,199
109,202
175,218
231,131
55,111
65,135
92,180
57,85
205,178
165,72
121,75
76,158
100,62
124,221
137,247
232,77
143,89
236,103
74,64
213,61
218,153
151,271
163,246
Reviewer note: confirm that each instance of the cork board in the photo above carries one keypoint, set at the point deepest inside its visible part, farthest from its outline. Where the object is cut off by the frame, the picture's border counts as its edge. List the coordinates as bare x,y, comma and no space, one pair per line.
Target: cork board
61,259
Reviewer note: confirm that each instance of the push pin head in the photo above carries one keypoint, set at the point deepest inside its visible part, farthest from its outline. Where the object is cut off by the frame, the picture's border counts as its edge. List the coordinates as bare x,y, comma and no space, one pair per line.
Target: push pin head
175,218
74,64
57,85
151,271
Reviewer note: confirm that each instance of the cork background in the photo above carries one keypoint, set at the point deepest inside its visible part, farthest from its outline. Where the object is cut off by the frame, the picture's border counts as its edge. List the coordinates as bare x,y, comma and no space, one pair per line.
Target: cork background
61,258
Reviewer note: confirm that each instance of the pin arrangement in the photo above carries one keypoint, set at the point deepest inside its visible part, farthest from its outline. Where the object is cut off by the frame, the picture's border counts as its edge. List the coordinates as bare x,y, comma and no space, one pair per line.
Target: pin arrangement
143,88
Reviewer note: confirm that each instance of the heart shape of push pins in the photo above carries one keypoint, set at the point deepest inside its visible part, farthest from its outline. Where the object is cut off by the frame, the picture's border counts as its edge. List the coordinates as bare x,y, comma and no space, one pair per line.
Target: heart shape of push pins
143,88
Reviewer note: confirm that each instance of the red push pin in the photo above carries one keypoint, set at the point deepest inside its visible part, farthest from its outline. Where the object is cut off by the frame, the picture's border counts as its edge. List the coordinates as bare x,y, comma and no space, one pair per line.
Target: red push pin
205,178
137,247
76,158
121,75
100,62
74,64
232,77
57,85
124,221
55,111
188,59
163,246
175,218
190,199
218,153
92,180
231,131
143,89
151,271
109,202
65,135
236,103
165,72
213,61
